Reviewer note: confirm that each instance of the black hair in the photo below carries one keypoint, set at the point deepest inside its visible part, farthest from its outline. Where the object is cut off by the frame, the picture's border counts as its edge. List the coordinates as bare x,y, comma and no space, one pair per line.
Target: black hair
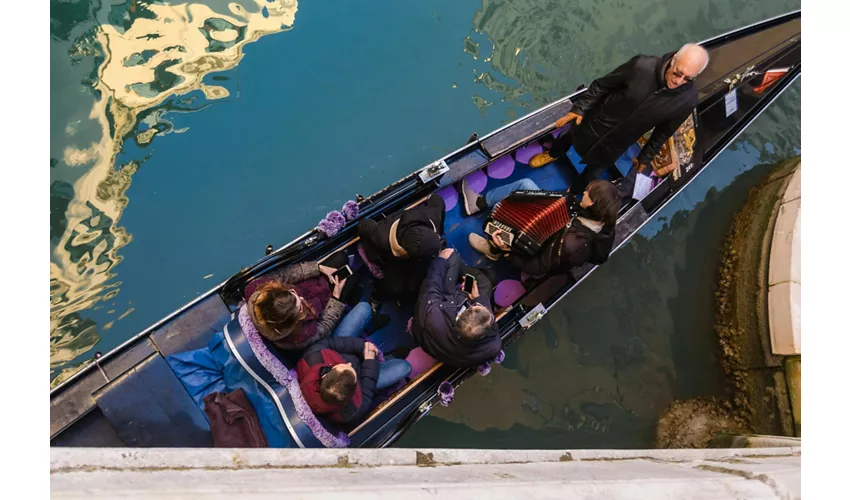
606,202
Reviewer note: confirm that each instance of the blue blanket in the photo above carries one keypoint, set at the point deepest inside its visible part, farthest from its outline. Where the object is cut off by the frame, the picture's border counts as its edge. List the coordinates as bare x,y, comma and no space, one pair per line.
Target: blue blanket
214,369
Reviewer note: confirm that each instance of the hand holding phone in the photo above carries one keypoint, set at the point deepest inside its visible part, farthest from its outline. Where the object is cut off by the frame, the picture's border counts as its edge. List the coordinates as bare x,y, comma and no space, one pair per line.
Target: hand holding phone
470,286
369,351
468,283
337,280
327,271
342,273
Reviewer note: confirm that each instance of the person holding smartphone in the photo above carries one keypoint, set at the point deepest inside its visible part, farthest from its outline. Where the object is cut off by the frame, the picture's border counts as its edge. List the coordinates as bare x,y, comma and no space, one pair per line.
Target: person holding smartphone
453,320
305,302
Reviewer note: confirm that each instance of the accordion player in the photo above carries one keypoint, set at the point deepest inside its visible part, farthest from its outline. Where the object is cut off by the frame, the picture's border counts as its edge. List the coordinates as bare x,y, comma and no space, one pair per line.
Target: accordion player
528,219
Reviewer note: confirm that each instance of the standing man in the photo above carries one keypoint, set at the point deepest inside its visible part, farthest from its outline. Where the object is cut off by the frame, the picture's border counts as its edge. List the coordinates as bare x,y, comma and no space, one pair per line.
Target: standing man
645,92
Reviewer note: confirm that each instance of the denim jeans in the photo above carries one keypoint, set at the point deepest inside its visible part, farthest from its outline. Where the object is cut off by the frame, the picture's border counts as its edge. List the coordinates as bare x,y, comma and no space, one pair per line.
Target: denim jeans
498,194
392,371
353,323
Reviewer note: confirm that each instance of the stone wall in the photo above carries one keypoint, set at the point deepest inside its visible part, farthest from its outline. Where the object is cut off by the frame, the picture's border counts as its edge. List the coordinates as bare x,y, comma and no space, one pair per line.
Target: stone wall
757,374
412,474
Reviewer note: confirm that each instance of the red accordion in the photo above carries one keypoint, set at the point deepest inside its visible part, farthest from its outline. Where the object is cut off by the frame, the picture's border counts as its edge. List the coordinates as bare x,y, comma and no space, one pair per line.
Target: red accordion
529,218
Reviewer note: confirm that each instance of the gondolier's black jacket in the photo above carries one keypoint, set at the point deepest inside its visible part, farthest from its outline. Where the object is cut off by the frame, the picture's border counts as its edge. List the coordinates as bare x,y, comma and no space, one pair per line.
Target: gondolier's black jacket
625,104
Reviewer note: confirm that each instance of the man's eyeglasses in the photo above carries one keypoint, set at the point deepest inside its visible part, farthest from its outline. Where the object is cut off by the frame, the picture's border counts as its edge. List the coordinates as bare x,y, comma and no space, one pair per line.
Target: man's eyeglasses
679,74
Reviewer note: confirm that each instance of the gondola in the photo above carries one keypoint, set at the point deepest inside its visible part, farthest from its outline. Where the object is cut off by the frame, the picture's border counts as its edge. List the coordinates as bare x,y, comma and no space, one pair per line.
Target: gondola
147,392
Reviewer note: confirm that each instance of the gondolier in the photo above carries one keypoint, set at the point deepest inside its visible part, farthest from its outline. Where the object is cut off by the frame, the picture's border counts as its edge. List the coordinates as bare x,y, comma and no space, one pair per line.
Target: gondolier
645,92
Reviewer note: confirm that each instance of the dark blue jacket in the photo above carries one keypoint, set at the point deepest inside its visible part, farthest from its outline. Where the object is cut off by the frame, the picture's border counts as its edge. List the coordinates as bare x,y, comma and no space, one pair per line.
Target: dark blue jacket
440,300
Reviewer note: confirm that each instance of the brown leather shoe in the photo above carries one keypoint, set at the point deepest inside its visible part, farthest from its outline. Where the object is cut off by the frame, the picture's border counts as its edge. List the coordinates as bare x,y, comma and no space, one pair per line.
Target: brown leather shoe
541,159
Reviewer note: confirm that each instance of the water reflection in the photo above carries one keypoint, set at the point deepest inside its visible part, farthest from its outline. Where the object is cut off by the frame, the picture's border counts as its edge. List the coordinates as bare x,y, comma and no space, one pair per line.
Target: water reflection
539,50
117,68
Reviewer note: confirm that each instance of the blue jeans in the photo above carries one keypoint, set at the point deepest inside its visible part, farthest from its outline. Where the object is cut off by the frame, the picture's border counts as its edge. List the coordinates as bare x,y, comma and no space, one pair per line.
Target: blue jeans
392,371
353,323
498,194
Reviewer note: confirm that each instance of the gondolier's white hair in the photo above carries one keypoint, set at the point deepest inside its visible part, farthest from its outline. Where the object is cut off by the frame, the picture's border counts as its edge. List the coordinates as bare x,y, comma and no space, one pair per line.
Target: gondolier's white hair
695,49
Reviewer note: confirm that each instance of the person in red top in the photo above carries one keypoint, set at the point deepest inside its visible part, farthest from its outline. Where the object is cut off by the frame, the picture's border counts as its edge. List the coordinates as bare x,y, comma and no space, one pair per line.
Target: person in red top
339,376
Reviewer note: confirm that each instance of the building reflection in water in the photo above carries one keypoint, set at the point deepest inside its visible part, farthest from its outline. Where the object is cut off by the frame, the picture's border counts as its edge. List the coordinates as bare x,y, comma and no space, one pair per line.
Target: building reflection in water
116,69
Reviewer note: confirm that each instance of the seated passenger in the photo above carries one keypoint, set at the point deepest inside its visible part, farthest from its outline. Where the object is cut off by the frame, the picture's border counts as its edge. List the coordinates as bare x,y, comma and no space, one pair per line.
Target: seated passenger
339,376
451,326
589,237
300,304
403,244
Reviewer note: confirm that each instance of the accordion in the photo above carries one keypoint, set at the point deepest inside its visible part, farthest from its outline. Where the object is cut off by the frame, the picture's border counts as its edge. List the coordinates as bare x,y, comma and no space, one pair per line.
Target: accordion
528,219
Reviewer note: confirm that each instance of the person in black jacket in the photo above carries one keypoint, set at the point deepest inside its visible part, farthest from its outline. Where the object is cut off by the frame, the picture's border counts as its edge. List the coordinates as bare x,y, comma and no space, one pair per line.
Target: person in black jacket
399,248
589,237
617,109
451,326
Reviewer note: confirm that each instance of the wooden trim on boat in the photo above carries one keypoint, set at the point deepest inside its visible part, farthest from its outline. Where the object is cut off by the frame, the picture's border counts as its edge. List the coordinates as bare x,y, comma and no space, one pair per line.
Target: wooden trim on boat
347,245
388,403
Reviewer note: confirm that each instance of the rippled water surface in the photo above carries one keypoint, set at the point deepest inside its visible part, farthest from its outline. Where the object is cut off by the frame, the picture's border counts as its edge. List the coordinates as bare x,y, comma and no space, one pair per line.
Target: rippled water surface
185,137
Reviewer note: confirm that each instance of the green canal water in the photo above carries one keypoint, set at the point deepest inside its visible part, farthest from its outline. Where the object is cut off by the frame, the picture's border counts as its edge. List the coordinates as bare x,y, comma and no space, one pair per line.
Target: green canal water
185,137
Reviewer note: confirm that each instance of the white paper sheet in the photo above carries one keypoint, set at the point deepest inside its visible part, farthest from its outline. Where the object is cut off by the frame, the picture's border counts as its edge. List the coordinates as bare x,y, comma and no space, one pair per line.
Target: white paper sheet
731,102
643,185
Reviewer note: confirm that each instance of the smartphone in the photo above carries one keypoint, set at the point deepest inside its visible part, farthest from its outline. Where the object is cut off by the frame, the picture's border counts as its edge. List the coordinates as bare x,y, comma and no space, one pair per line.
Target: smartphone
468,282
342,273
